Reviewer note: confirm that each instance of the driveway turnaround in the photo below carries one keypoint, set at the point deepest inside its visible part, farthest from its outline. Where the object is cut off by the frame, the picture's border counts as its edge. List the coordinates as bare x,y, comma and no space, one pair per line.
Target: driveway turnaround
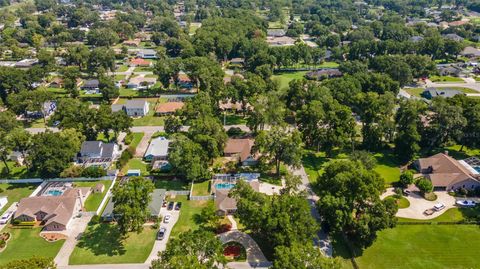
161,245
255,255
418,205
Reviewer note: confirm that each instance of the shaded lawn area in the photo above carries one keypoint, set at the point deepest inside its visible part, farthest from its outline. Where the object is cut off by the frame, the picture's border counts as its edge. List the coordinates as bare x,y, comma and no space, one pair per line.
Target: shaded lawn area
94,199
188,214
26,243
122,68
103,244
15,192
387,167
16,171
424,246
137,163
233,119
455,152
201,188
101,137
172,185
137,137
285,77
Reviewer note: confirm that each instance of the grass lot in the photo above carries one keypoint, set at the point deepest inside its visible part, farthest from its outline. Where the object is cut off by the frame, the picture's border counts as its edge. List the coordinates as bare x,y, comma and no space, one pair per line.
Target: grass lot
446,79
26,243
102,137
424,246
387,167
415,91
176,185
103,244
187,220
16,171
122,68
94,199
402,202
137,137
284,78
150,119
143,69
15,192
201,188
124,92
120,77
136,163
233,119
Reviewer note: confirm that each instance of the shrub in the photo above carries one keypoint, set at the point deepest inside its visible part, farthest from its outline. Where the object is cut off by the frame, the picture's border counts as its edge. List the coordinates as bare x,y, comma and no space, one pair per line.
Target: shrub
128,139
424,185
406,178
398,193
94,172
223,228
1,190
462,192
125,157
72,171
95,219
235,131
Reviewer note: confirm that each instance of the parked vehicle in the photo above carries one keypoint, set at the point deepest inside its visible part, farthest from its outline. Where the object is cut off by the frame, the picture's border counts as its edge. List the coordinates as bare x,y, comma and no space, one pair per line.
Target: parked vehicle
6,217
178,206
164,204
167,218
161,233
170,205
407,192
438,207
428,212
466,203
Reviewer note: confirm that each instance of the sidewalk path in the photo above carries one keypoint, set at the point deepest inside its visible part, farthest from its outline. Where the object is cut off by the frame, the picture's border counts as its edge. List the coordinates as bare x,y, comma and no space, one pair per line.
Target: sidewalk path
75,232
233,222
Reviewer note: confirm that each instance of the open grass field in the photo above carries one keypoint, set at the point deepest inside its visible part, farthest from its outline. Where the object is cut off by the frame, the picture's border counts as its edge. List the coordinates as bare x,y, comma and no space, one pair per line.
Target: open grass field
136,163
284,78
446,79
16,171
414,91
423,246
190,209
387,167
94,199
26,243
15,192
150,119
174,185
103,244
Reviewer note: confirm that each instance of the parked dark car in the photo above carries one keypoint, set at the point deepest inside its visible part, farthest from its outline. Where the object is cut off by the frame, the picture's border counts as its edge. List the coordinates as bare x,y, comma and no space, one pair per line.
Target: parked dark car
178,206
170,205
161,233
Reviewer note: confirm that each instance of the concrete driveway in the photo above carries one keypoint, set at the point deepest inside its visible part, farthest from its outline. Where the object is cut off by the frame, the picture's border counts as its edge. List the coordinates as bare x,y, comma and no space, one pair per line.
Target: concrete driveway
418,205
161,245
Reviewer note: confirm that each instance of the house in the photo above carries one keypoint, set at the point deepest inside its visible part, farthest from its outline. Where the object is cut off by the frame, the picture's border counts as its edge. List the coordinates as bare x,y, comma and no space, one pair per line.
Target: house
470,52
147,54
91,84
322,74
56,83
184,81
132,43
141,82
26,63
225,205
54,212
446,173
157,150
168,108
155,205
16,157
92,151
449,71
136,108
431,93
140,62
453,37
237,61
240,149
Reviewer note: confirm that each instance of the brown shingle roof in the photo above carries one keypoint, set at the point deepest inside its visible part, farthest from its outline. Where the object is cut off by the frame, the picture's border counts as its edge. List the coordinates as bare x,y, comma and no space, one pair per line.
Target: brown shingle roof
57,208
243,147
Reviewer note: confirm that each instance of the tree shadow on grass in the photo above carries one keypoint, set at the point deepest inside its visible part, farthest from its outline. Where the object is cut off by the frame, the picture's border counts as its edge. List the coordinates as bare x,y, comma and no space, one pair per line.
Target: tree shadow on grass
103,239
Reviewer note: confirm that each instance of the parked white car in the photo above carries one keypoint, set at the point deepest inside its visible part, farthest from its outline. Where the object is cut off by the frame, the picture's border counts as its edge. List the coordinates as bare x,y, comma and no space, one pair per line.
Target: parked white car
466,203
167,218
438,207
6,217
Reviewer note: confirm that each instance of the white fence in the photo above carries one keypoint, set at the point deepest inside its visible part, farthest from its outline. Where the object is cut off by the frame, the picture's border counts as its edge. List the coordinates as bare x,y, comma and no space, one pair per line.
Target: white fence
178,193
201,198
105,198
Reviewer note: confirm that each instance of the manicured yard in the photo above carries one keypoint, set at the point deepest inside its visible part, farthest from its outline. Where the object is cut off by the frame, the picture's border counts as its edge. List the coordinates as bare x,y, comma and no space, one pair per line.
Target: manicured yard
186,221
201,188
424,246
26,243
233,119
16,171
174,185
285,77
446,79
143,69
414,91
124,92
150,119
94,199
402,202
136,163
103,244
122,68
15,192
387,167
137,137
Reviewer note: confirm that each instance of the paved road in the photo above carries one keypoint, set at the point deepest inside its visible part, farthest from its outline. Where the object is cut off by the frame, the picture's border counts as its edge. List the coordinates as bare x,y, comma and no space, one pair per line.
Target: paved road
143,145
140,129
323,241
469,83
254,253
161,245
75,231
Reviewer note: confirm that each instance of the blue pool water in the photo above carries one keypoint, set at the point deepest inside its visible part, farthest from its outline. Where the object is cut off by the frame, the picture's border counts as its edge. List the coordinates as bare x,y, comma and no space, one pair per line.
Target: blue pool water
54,192
477,168
224,186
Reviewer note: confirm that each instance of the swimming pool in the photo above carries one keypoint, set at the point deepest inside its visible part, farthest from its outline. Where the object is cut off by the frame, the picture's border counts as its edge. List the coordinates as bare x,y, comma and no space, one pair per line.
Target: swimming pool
54,192
224,186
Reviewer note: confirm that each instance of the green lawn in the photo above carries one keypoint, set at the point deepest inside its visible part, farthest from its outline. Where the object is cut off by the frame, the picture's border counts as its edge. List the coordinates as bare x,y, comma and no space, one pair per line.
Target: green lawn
143,69
26,243
120,77
102,137
233,119
189,210
284,78
137,137
136,163
124,92
122,68
150,119
424,246
402,202
15,192
16,171
201,188
387,167
446,79
415,91
94,199
175,185
103,244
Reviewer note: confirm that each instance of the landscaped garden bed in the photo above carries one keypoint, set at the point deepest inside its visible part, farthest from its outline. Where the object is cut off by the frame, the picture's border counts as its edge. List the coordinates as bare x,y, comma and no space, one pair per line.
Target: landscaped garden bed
4,237
235,252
